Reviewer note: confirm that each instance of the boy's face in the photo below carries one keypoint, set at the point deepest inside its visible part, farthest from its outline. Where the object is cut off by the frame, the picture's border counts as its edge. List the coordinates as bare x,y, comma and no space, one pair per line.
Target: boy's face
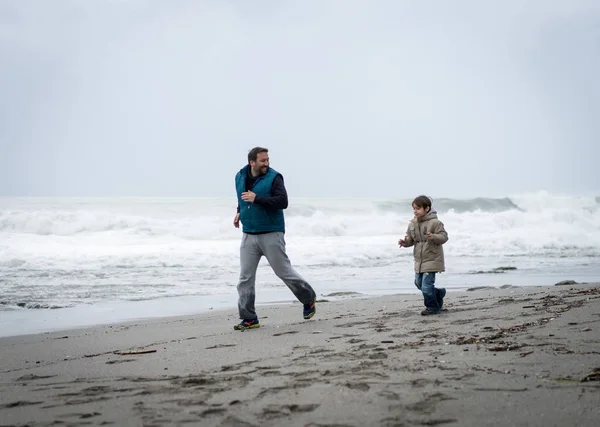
420,212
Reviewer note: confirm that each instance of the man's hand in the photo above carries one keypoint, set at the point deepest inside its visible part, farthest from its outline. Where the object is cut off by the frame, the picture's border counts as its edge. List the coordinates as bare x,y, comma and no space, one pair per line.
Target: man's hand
248,196
402,243
236,221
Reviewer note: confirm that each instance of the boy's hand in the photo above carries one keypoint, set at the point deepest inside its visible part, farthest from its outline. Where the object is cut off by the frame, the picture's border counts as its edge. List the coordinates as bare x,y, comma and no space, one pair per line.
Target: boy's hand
401,242
429,235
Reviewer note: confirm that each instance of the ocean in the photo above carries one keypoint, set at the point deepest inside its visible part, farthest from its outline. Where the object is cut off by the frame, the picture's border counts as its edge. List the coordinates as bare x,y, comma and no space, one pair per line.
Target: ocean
73,262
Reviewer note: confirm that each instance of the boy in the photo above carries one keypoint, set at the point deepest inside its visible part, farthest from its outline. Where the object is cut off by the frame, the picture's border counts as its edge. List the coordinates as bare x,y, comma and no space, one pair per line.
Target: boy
427,234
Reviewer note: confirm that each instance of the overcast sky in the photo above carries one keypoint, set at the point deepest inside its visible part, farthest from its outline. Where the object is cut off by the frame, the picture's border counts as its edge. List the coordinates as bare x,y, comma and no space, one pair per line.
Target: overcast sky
353,98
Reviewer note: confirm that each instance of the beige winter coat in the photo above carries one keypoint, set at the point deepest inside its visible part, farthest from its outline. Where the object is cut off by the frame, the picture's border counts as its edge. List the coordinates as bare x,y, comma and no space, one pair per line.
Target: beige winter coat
428,253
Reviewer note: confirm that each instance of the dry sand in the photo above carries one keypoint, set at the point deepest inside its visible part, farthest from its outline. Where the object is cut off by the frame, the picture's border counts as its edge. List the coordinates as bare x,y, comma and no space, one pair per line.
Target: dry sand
527,356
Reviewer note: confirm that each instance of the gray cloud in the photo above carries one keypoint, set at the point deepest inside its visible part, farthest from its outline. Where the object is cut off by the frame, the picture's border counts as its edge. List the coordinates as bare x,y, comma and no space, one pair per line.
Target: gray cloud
353,98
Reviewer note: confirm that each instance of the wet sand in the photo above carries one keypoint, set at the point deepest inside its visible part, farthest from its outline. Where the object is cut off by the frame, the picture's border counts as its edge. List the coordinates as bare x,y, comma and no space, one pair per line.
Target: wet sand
518,356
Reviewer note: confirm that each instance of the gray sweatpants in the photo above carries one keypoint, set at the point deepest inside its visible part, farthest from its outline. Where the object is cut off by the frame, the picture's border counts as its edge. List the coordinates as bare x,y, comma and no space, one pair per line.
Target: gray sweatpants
272,246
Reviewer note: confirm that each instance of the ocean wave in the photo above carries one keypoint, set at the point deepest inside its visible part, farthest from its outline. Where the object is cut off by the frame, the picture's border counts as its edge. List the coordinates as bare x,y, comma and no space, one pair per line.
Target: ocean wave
71,223
535,202
459,205
517,223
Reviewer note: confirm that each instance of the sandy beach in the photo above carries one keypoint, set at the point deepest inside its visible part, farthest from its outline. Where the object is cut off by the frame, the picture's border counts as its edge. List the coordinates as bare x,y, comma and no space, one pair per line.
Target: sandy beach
514,356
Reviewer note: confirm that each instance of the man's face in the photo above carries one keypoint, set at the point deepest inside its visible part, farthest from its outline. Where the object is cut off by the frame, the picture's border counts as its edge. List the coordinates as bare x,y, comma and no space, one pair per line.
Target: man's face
261,165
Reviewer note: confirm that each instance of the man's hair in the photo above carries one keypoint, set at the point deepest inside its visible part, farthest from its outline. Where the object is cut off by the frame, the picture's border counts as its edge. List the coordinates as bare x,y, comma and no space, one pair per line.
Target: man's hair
253,154
422,202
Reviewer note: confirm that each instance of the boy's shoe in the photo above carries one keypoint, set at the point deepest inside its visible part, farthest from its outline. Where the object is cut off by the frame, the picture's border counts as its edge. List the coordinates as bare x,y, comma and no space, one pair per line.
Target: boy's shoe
310,309
429,311
247,324
440,296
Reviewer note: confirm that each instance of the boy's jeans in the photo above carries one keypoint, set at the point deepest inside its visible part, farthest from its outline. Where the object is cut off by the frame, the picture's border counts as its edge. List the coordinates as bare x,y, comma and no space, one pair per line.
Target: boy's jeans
425,282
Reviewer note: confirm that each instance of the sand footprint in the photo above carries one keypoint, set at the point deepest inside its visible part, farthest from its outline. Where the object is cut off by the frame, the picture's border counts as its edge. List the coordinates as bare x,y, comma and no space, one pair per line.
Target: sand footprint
278,411
221,346
285,333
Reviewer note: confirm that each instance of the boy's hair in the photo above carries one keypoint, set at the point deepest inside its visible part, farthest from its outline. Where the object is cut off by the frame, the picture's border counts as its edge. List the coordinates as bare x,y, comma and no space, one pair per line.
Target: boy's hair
253,154
422,202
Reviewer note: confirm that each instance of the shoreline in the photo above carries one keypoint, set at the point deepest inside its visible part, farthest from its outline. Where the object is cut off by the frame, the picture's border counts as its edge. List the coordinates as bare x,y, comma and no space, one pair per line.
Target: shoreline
226,307
521,355
27,321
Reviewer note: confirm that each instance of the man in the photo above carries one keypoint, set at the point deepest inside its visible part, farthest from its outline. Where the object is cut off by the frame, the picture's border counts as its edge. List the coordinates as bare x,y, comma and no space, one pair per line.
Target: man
262,197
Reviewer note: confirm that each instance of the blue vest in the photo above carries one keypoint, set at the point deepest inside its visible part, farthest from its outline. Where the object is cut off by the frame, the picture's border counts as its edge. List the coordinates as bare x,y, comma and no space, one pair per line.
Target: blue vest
255,218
